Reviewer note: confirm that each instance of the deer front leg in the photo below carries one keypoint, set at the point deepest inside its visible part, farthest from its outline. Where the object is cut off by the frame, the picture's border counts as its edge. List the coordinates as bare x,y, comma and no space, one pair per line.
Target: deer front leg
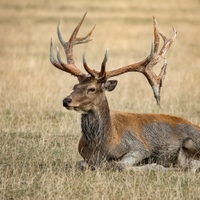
137,153
93,157
132,158
83,165
85,151
194,166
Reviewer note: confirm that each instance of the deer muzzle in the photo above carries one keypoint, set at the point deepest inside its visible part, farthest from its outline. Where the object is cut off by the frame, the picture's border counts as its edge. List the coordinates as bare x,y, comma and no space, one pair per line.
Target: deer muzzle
66,102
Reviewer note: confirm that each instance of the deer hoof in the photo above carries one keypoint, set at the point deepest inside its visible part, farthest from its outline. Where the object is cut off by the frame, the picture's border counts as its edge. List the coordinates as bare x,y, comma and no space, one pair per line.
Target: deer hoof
83,165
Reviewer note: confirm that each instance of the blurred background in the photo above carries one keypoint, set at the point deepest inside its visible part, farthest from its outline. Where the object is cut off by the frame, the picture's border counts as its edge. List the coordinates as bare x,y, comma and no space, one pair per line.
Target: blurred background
38,137
125,27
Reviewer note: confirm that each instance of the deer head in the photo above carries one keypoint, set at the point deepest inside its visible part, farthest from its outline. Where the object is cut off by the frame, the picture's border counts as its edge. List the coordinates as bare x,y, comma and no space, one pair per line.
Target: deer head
90,91
88,94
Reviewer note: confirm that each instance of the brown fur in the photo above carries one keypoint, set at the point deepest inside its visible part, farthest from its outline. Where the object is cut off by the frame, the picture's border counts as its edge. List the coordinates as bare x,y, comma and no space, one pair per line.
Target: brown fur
124,140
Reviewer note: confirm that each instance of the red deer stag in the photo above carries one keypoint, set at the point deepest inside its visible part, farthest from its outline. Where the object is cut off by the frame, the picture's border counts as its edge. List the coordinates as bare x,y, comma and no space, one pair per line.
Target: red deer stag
120,140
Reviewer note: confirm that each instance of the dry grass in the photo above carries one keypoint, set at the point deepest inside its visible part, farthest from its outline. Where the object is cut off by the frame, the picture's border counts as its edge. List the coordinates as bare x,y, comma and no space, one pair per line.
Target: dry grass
38,138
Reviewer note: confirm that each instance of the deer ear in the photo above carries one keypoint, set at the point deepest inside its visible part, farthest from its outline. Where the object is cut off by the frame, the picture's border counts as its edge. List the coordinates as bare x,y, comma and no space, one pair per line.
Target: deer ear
110,85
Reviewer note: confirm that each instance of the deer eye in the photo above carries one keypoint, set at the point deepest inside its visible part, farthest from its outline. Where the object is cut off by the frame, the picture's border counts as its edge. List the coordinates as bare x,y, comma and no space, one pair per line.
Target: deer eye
92,89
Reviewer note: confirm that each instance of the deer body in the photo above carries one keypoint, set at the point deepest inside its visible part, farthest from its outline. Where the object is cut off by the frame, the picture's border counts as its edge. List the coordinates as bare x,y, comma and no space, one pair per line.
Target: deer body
129,139
163,139
120,140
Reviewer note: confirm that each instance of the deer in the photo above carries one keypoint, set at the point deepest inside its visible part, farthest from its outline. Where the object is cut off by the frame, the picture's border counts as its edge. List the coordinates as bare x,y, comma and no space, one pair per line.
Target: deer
118,140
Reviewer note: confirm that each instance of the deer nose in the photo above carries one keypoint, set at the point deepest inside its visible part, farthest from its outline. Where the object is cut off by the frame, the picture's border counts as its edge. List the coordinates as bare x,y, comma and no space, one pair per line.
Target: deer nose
66,101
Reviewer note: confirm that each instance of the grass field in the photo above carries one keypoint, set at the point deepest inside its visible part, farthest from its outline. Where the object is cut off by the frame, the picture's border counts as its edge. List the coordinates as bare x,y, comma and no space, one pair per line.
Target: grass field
38,137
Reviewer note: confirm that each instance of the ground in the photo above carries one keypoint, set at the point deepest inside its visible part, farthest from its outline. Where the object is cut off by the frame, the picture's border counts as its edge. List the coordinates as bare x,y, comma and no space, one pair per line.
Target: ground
38,138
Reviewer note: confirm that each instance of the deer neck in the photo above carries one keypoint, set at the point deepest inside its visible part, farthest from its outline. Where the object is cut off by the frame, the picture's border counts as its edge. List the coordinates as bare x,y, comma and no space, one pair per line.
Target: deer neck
96,124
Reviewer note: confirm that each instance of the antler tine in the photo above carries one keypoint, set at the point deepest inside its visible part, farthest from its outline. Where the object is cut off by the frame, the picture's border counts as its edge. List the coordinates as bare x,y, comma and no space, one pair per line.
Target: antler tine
154,80
53,59
167,43
156,35
163,71
98,75
157,81
70,67
85,39
61,65
152,51
60,35
87,69
102,73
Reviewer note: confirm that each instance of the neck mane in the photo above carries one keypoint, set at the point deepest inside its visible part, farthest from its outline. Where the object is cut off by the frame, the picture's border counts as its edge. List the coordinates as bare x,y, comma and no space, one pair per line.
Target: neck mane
96,123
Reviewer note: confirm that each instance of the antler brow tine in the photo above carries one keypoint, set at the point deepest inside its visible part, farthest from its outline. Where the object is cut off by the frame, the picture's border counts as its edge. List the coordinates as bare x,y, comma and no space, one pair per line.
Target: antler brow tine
87,69
53,59
103,65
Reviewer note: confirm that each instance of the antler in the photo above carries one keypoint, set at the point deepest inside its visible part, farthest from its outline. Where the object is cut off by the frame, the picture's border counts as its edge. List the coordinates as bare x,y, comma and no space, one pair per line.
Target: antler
145,66
70,66
98,75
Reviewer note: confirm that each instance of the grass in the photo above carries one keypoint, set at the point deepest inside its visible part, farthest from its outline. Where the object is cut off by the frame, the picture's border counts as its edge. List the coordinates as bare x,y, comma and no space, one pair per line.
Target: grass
38,138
